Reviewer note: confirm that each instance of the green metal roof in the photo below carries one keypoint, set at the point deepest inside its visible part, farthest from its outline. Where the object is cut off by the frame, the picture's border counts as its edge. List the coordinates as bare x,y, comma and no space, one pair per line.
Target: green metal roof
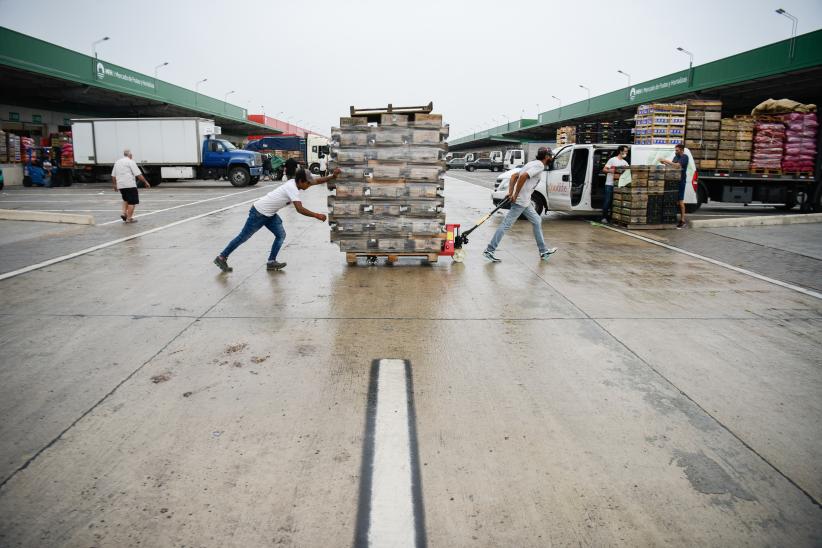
763,62
496,133
27,53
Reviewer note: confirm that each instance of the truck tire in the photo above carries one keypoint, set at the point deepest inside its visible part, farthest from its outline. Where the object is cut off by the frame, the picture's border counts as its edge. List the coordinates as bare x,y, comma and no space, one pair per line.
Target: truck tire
469,168
254,181
538,202
239,176
315,169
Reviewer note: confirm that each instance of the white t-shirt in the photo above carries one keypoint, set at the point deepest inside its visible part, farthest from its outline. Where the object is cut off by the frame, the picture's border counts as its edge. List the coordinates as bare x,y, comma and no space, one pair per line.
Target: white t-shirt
278,198
534,169
613,162
125,171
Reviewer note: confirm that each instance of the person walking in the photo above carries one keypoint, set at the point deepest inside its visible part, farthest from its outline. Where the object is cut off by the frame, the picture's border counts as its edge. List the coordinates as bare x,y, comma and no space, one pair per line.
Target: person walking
610,168
520,188
124,177
681,159
263,213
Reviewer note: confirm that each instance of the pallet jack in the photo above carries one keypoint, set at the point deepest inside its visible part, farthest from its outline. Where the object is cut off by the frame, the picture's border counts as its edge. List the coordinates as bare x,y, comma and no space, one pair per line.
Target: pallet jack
454,241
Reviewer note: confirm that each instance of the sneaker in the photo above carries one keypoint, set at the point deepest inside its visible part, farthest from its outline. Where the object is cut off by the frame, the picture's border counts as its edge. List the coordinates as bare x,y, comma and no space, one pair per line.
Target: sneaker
604,221
547,253
274,265
680,225
223,264
491,257
123,217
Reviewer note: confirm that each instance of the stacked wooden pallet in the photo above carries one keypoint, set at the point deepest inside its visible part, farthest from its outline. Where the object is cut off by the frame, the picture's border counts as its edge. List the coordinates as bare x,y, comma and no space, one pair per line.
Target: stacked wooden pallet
388,200
659,124
4,150
735,144
702,126
649,200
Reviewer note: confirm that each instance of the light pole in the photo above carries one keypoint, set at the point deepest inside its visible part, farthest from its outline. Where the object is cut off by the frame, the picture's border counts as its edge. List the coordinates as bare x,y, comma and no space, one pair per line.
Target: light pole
589,95
94,45
558,100
508,127
225,98
795,21
622,72
537,112
158,67
197,89
690,56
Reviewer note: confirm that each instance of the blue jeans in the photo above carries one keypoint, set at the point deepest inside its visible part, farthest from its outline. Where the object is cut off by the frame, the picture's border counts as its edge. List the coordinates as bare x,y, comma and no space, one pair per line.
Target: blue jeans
255,222
517,210
609,200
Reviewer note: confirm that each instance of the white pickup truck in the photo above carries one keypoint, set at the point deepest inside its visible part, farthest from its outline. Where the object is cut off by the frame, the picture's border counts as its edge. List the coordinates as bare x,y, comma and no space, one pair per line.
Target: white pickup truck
574,181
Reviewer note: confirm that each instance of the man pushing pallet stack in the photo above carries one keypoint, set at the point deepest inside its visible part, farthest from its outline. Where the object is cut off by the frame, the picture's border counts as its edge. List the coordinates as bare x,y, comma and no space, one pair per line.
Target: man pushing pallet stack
388,200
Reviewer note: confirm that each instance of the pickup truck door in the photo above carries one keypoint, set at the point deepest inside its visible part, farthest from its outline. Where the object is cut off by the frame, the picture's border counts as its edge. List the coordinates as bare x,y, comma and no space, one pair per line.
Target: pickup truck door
559,181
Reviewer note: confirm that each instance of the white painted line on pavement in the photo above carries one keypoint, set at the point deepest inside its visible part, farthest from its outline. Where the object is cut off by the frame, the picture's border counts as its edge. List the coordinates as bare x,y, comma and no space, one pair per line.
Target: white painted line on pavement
786,285
390,512
56,260
186,205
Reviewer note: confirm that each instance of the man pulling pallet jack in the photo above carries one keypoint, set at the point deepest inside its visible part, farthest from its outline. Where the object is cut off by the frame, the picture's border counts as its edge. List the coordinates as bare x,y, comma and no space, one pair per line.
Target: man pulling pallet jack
520,188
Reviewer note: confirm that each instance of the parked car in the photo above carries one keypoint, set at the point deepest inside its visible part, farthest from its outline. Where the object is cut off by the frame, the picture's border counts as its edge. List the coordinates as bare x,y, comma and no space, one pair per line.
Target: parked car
455,163
484,163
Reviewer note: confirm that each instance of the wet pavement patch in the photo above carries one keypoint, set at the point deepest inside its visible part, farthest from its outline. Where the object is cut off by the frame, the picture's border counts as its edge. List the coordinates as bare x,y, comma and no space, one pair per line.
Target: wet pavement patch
708,477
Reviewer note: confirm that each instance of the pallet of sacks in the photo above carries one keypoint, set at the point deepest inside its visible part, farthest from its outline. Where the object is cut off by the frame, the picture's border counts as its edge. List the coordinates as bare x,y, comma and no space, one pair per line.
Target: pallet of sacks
735,144
388,199
702,127
768,145
659,124
801,131
650,199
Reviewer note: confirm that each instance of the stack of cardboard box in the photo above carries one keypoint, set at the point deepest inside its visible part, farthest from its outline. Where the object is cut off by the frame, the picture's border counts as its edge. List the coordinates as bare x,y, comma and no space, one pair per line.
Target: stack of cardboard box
649,198
566,135
702,126
389,196
735,143
659,124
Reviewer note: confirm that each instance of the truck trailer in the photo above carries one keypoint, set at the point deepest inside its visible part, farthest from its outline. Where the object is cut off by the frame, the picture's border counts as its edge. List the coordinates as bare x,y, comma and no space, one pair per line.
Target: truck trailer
164,148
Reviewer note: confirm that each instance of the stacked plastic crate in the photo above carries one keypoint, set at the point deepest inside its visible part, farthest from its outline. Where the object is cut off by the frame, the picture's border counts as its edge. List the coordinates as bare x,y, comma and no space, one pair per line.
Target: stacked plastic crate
659,124
702,126
649,198
388,199
4,148
735,144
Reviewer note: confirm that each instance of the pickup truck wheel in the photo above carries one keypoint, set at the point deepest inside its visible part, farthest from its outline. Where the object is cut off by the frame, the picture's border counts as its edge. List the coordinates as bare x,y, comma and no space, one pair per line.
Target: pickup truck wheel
239,176
538,202
315,169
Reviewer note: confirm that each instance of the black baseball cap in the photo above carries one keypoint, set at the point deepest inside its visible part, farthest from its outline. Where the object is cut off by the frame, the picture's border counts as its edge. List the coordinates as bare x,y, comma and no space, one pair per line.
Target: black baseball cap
542,152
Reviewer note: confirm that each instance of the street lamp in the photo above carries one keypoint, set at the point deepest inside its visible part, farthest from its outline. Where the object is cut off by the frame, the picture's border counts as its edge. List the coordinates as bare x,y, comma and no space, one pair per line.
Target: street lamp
625,74
795,21
225,98
158,67
508,119
589,95
689,54
197,89
94,44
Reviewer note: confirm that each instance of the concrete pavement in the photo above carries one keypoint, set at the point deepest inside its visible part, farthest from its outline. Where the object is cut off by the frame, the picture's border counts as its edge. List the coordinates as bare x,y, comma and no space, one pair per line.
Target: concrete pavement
619,394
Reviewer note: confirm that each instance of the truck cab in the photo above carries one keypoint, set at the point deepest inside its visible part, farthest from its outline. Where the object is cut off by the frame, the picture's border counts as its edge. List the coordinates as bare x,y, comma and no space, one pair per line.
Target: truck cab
514,158
220,157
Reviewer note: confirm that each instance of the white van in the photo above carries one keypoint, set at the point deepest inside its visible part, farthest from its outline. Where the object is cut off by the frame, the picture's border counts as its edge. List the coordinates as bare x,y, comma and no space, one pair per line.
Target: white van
575,182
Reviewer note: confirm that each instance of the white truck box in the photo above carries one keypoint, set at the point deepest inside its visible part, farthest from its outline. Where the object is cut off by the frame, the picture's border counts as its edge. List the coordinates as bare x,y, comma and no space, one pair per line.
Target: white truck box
152,141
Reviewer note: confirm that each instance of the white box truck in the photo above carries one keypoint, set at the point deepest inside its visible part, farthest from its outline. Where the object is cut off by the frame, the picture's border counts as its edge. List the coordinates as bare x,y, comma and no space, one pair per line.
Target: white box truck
164,148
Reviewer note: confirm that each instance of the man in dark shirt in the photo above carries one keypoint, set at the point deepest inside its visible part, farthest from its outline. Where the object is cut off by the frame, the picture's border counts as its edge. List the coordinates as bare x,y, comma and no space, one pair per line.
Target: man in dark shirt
682,159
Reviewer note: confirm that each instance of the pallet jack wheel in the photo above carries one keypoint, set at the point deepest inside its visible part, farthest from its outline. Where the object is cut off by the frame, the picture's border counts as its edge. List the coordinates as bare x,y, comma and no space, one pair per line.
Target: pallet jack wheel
371,259
459,255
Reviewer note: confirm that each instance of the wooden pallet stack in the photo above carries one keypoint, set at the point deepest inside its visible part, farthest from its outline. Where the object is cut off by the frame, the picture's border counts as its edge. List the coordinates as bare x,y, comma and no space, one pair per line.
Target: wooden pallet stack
702,126
649,200
659,124
388,200
735,144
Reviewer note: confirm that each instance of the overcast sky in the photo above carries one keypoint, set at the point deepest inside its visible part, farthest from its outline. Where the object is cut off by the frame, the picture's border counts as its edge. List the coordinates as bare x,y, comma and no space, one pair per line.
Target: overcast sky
478,61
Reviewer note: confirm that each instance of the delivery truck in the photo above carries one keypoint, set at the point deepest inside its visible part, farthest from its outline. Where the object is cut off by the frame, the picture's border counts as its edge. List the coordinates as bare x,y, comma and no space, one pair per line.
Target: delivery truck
310,151
164,148
518,157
